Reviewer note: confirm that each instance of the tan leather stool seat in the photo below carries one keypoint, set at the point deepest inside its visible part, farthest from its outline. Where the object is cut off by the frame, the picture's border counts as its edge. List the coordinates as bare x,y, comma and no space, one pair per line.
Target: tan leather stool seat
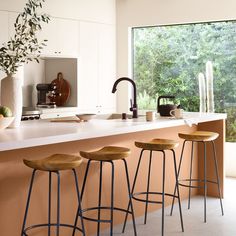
157,144
107,153
55,162
199,136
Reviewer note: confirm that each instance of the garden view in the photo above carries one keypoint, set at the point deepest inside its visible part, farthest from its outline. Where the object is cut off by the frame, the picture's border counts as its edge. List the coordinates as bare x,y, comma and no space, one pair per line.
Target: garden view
168,59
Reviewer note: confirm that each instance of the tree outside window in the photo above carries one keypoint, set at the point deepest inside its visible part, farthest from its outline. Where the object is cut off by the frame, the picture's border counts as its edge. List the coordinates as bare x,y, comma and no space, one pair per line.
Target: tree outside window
168,59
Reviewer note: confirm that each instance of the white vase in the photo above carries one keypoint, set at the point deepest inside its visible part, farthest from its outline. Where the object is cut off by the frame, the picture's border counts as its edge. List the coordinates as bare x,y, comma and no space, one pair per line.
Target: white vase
11,96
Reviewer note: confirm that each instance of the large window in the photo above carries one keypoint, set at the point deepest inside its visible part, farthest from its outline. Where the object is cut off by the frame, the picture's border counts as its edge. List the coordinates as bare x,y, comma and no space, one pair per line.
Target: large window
168,59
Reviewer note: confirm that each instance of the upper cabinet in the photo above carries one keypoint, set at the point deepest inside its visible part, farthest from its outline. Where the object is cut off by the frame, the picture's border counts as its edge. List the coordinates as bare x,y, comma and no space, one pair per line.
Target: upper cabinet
107,68
88,68
96,68
62,36
3,27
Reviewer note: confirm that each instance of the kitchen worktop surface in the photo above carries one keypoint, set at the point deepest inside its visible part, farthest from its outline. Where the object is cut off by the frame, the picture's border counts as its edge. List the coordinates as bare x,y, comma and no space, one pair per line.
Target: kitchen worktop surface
43,132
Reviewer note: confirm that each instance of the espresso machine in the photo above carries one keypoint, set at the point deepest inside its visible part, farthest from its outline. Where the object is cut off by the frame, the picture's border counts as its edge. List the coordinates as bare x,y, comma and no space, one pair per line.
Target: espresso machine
45,93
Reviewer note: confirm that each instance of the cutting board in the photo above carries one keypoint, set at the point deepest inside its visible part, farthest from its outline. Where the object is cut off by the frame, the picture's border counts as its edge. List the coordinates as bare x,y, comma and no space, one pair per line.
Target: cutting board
62,91
66,119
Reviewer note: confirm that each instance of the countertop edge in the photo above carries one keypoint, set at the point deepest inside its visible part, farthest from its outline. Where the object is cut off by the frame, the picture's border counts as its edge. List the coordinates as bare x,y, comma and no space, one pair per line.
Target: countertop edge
21,138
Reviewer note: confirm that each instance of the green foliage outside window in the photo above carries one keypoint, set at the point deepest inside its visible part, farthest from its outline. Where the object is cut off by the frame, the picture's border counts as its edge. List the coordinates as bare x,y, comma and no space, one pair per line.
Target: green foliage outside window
168,59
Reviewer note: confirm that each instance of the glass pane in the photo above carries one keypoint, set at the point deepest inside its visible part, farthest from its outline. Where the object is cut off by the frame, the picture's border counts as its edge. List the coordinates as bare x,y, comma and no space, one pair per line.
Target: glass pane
168,59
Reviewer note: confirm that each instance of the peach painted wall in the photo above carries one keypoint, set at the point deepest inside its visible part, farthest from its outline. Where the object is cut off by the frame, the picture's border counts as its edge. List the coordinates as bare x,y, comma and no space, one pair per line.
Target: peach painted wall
15,177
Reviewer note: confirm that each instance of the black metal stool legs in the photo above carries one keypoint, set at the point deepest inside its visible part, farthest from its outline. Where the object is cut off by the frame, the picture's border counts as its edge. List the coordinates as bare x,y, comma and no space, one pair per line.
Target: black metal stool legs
85,179
190,176
180,162
49,201
112,197
205,181
163,193
148,184
217,177
132,190
79,206
49,206
177,188
130,197
58,202
111,208
81,198
28,202
99,199
49,224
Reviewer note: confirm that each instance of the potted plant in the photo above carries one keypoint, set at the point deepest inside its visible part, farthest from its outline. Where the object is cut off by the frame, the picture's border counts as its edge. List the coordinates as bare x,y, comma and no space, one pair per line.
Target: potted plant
22,48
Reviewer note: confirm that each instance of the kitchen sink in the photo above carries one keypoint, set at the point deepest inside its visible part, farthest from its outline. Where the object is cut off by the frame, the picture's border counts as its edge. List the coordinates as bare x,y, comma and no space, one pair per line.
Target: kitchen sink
113,116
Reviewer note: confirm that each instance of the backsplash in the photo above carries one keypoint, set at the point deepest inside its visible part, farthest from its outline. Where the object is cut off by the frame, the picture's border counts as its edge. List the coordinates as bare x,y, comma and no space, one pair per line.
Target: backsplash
45,72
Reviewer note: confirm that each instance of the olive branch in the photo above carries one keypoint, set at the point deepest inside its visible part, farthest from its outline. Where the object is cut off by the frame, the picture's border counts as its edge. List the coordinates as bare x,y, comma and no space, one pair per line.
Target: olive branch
24,46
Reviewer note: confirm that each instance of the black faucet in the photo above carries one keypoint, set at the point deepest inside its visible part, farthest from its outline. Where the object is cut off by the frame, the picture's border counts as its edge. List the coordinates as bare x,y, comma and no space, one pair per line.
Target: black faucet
134,106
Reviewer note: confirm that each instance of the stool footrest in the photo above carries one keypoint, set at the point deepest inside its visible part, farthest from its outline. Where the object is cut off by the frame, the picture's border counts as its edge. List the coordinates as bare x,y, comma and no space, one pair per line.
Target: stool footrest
194,180
47,225
102,208
151,193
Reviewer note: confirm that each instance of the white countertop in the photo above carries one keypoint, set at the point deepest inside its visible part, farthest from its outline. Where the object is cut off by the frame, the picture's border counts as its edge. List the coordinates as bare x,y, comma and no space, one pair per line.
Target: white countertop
43,132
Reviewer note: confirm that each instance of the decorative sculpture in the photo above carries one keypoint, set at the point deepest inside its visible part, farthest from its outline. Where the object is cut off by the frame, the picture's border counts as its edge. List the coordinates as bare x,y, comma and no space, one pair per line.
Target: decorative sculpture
206,90
202,92
209,87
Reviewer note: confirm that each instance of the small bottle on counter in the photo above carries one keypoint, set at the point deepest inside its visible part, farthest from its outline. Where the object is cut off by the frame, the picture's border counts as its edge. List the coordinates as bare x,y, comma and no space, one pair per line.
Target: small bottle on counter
123,116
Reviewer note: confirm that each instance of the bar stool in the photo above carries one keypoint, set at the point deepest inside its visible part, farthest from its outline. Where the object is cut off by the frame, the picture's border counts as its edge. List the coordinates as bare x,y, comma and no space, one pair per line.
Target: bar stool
158,145
199,137
108,154
53,164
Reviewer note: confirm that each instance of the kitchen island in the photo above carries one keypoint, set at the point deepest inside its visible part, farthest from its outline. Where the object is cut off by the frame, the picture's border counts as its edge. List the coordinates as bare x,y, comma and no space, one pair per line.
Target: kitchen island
39,138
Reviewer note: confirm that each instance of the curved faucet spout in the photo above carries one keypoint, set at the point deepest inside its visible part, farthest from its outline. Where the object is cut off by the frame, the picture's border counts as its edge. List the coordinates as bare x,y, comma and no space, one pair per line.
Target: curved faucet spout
134,106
